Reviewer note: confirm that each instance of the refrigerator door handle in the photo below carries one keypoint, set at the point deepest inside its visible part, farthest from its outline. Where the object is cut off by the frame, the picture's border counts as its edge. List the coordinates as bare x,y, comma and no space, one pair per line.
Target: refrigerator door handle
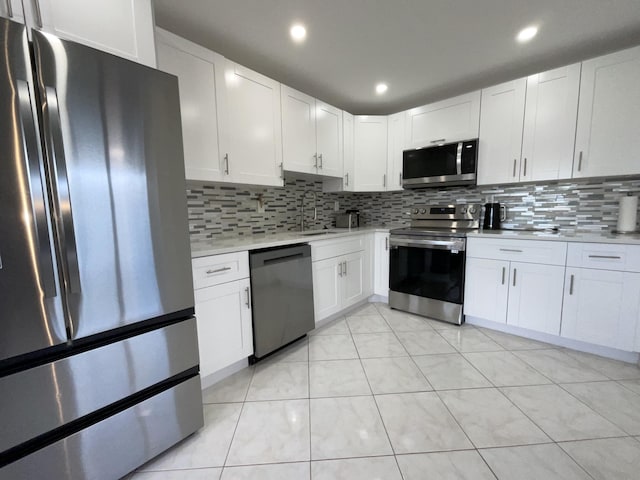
38,212
64,216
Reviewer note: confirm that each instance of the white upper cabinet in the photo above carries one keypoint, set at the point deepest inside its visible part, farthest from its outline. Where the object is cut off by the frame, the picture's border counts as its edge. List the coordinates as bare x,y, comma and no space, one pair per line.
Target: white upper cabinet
253,123
201,83
311,135
550,124
501,122
299,152
396,146
443,122
329,140
370,153
122,27
608,132
12,9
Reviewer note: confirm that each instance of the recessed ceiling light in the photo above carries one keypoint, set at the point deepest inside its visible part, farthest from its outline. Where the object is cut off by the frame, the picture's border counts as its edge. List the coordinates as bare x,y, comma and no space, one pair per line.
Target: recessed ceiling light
298,32
527,34
381,88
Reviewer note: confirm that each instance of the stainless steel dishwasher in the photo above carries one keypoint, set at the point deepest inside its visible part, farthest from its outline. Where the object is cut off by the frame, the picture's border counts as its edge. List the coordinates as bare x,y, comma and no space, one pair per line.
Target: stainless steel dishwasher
282,297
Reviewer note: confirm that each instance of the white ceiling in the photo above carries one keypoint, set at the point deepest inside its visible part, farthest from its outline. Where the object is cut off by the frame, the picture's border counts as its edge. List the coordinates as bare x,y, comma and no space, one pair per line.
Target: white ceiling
425,50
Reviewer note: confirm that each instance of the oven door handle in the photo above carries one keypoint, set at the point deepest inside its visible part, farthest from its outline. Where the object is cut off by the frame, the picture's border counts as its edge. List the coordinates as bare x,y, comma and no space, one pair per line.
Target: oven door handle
433,244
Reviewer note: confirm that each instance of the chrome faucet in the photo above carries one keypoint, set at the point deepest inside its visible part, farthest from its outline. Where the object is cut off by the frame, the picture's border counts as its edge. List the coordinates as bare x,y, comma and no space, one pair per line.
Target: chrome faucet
315,207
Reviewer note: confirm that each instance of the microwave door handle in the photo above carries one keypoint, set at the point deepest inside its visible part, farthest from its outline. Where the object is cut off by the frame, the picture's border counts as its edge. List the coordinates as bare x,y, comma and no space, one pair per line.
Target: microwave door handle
37,193
54,144
459,159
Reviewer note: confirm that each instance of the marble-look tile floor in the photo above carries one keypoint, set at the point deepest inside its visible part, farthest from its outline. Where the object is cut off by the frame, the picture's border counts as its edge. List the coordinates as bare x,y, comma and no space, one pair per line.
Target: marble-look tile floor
381,394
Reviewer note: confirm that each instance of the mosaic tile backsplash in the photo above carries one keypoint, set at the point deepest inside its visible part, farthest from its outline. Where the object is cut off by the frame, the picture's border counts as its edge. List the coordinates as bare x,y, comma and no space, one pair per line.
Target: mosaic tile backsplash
225,210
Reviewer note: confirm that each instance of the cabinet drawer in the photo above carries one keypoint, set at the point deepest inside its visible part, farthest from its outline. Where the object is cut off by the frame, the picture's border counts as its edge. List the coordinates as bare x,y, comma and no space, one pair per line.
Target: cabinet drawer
217,269
604,256
334,248
528,251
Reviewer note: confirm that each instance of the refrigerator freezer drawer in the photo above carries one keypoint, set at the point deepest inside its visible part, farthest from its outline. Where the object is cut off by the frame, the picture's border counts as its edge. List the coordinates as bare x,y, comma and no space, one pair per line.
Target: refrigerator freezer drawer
40,399
115,446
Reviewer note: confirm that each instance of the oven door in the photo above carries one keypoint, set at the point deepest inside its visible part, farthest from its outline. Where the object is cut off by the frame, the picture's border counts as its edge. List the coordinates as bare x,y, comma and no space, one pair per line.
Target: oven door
428,267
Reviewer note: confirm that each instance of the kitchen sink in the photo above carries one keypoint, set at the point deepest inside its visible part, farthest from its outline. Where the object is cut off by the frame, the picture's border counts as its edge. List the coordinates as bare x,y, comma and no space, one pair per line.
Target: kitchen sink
318,232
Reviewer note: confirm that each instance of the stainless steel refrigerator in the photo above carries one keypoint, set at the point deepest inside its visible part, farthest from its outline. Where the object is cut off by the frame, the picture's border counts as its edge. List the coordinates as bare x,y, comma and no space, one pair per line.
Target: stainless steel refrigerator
98,346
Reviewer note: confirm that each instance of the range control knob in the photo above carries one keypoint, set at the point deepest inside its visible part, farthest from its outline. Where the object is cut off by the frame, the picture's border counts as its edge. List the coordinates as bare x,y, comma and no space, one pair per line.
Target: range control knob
463,210
415,211
472,210
423,211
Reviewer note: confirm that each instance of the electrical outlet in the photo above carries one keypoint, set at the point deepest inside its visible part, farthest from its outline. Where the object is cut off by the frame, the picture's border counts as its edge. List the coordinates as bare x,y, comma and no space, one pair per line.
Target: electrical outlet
336,206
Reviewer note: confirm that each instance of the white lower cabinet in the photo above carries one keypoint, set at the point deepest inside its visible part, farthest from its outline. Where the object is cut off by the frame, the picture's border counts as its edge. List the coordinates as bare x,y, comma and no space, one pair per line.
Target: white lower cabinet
486,289
381,264
353,278
223,311
535,297
512,287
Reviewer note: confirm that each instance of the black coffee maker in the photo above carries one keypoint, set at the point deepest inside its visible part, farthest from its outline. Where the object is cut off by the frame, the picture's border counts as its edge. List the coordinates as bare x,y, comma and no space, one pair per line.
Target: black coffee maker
494,215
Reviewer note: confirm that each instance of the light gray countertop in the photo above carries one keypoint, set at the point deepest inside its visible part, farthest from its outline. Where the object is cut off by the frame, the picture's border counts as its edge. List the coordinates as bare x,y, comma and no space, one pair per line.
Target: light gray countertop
237,244
561,236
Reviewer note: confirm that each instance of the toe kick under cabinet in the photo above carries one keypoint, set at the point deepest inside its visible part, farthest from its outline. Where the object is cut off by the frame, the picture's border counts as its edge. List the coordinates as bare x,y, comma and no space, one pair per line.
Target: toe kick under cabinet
223,310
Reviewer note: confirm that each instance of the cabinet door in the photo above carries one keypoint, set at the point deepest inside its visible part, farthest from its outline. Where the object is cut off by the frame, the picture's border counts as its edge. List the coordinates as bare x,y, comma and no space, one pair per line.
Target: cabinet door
370,153
298,131
535,297
12,9
394,154
446,121
200,75
329,140
353,278
121,27
550,124
601,307
486,289
501,123
254,128
381,264
609,116
224,325
327,285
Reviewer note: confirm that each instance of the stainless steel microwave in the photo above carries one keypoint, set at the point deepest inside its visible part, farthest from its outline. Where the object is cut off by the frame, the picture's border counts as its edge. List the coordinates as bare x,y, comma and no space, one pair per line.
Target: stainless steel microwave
446,164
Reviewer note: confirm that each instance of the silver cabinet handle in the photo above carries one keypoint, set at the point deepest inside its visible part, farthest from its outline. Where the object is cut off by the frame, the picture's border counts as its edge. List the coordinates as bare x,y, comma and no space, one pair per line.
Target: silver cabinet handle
515,250
248,302
504,271
386,243
218,270
524,173
226,163
580,160
400,179
610,257
515,160
36,7
320,158
384,180
571,285
439,140
514,276
345,267
315,160
282,171
346,179
340,269
9,9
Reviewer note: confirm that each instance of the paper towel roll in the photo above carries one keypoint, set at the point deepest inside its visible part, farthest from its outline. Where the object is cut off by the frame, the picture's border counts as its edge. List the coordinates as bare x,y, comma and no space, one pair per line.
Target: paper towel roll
627,214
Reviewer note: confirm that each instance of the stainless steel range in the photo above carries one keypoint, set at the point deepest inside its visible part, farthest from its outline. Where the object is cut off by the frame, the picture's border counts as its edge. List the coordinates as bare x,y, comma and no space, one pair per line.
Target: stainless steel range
427,261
